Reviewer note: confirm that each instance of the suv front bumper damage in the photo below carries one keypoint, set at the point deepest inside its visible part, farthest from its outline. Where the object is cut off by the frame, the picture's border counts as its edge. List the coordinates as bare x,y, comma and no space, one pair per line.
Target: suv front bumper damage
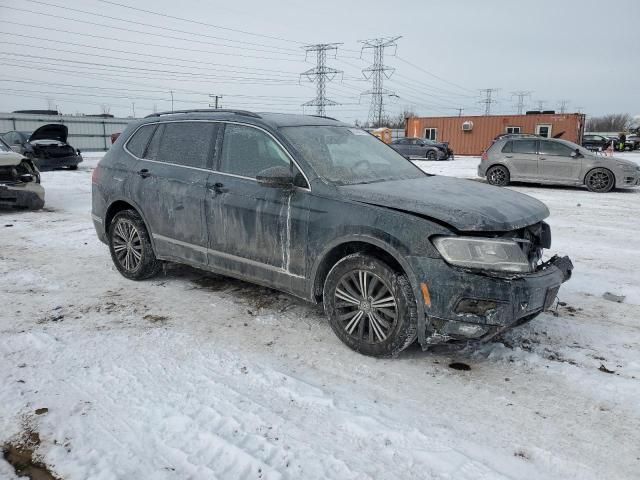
465,304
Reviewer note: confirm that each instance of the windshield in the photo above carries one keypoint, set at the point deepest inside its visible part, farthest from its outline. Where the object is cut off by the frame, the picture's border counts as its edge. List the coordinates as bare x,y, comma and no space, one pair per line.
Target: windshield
4,147
348,156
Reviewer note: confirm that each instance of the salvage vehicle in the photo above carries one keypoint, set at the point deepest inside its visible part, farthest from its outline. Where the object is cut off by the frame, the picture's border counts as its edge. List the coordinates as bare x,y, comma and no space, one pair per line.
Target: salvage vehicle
47,147
422,147
557,162
326,212
19,181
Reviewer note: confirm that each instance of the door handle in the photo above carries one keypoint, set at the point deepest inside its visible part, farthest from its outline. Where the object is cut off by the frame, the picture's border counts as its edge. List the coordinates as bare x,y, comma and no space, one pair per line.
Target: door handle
218,188
508,156
144,173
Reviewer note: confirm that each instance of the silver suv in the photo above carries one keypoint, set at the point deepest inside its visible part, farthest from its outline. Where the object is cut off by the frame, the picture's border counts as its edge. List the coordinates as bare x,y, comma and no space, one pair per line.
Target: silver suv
546,160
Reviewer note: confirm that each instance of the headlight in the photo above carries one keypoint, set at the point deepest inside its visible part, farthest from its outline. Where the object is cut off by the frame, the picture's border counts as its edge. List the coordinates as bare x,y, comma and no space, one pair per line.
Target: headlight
483,253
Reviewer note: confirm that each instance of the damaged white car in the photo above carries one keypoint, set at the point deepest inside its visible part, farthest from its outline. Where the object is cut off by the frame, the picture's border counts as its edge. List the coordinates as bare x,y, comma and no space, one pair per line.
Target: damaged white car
19,181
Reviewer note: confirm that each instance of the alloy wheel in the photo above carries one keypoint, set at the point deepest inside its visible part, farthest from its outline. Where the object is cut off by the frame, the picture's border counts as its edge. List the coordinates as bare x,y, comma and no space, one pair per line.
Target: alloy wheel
127,245
497,176
366,306
599,181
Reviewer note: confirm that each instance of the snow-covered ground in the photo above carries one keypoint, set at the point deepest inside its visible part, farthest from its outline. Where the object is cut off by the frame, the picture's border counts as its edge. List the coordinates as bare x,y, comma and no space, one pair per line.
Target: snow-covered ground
192,376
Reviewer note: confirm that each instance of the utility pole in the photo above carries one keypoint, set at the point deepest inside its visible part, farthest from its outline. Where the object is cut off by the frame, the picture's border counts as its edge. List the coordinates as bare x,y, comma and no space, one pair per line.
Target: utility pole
217,98
488,100
133,108
171,100
377,73
563,104
460,110
522,94
321,74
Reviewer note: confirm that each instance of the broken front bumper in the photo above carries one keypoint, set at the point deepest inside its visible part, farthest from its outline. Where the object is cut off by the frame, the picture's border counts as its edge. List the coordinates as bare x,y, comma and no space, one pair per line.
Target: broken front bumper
53,163
465,304
25,195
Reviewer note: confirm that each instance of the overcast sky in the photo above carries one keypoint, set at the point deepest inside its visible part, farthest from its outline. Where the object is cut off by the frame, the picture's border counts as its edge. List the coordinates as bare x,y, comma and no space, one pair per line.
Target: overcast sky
584,52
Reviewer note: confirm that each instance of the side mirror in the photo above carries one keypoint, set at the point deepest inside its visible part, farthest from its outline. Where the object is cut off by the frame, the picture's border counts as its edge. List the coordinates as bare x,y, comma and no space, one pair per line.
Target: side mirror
275,177
576,153
26,178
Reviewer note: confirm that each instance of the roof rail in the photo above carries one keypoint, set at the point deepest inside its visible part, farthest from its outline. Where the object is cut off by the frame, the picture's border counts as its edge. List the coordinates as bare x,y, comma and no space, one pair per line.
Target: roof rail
208,110
324,116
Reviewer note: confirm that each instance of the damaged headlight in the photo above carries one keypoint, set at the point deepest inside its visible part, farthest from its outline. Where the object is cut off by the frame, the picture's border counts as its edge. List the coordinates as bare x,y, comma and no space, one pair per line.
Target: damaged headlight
483,253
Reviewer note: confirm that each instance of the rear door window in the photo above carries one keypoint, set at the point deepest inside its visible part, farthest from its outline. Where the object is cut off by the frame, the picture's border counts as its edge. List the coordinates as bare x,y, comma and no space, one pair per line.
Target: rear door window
186,143
507,147
138,143
524,146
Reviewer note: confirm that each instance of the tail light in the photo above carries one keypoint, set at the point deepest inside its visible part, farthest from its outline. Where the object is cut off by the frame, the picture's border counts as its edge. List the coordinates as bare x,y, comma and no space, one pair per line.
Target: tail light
484,157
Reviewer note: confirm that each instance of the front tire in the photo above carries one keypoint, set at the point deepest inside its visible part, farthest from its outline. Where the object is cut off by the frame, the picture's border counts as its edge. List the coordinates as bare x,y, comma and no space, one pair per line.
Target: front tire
498,176
431,155
600,180
130,246
370,307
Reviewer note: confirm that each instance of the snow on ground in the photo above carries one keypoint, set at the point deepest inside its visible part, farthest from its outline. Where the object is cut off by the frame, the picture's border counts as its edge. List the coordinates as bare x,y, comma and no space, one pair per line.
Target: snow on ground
190,375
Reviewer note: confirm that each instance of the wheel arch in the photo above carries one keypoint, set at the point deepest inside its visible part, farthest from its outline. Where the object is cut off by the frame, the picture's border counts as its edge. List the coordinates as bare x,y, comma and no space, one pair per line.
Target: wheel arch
119,205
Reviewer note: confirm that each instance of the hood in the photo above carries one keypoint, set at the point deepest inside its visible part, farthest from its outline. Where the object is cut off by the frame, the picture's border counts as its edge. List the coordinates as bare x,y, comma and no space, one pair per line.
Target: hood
623,162
52,131
465,205
10,159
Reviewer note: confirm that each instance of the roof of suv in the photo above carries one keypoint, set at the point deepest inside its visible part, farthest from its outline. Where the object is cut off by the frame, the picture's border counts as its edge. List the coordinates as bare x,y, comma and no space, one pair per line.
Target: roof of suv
273,120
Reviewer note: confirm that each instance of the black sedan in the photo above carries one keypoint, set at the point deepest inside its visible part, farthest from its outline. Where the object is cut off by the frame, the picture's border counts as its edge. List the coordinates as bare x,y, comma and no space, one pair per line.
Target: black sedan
47,147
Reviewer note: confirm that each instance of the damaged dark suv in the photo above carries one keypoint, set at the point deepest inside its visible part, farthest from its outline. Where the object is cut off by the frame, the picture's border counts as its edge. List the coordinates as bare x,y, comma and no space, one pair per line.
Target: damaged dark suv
326,212
47,146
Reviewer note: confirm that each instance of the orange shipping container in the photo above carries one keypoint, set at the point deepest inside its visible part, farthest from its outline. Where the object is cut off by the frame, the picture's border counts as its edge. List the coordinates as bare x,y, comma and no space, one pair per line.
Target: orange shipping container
471,135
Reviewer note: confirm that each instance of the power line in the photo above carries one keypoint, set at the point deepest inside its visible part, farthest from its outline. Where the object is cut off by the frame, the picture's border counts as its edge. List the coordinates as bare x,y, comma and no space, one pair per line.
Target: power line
321,74
377,72
448,82
488,100
200,23
161,27
522,94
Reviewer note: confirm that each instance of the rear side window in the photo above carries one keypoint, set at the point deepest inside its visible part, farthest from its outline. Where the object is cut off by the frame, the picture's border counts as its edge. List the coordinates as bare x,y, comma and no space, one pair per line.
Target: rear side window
507,147
524,146
186,143
140,139
247,151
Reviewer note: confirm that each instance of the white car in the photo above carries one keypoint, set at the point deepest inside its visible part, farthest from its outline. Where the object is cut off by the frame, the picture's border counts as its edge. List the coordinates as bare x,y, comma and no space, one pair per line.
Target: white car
19,181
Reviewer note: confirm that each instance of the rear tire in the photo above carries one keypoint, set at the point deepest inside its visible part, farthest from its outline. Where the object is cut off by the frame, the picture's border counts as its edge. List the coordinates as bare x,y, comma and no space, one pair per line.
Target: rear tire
600,180
498,176
370,307
130,246
73,167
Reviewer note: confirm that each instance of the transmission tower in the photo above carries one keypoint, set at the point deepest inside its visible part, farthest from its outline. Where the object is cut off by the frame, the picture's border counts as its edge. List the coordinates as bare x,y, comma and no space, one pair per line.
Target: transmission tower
377,72
541,104
562,105
217,99
321,74
488,100
522,94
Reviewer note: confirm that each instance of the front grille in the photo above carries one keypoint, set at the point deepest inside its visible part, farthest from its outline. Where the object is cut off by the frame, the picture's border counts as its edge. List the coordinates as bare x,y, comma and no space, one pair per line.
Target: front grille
7,174
54,151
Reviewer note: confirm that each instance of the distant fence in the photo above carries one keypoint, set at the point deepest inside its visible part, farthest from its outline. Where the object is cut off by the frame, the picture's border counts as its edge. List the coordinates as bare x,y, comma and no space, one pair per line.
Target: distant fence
85,133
